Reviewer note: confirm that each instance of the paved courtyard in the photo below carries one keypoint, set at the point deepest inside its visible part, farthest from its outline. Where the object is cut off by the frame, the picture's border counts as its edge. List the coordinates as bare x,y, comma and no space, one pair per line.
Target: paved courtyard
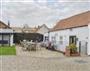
43,60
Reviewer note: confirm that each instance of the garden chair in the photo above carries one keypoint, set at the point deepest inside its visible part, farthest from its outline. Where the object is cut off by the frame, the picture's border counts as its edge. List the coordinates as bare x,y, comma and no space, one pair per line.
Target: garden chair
29,47
24,46
33,47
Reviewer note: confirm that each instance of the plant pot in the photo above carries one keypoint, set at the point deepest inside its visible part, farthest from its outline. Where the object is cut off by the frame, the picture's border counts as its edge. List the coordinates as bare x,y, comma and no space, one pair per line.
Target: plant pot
67,53
75,54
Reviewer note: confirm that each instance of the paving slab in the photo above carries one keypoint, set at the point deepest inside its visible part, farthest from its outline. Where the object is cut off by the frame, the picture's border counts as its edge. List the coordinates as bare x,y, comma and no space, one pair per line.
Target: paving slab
43,60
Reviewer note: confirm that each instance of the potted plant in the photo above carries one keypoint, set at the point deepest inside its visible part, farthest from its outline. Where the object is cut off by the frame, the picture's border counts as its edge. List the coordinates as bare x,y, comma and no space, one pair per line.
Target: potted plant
71,50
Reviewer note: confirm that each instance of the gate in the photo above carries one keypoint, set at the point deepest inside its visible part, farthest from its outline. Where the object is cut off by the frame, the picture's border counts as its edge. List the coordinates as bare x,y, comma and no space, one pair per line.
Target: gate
83,47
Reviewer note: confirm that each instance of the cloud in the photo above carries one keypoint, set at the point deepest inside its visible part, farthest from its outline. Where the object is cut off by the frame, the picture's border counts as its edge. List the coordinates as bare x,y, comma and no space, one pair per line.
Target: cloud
40,12
17,0
45,1
73,0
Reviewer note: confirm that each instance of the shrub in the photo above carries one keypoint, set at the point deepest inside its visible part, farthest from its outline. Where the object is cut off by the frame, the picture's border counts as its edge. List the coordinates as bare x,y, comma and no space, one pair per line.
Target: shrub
73,48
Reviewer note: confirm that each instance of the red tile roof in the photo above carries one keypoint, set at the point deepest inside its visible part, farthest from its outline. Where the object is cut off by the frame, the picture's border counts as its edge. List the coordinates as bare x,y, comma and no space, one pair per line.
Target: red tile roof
79,20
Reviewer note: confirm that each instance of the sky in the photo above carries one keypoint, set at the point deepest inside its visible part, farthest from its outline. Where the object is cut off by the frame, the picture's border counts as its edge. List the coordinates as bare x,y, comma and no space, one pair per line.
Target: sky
38,12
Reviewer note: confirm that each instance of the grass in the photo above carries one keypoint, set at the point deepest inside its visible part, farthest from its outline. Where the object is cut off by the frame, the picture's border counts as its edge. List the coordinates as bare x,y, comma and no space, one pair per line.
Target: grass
7,50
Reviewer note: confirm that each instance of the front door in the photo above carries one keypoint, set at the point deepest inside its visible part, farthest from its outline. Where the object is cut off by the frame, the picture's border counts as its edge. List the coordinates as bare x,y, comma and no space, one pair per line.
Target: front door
72,40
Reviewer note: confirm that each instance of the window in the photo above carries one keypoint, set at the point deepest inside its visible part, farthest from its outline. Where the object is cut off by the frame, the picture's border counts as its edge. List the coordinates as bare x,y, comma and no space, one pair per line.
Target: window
61,39
53,38
72,39
46,38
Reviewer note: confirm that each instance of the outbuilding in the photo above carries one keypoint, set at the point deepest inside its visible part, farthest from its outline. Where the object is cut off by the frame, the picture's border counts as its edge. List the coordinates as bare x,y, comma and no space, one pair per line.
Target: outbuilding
75,29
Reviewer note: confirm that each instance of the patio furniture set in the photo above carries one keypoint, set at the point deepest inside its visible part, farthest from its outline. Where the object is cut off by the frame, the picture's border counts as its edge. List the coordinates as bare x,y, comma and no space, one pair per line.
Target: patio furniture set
29,45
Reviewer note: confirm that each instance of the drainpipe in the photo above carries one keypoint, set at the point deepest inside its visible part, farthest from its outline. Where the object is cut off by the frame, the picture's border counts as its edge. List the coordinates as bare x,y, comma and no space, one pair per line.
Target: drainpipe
88,49
48,36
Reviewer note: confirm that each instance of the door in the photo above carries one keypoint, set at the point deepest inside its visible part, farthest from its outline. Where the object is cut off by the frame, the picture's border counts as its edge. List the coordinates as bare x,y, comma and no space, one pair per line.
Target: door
83,47
72,40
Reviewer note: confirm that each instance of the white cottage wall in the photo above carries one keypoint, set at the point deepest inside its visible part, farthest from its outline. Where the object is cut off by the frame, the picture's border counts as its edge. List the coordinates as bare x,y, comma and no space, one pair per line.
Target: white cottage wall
81,33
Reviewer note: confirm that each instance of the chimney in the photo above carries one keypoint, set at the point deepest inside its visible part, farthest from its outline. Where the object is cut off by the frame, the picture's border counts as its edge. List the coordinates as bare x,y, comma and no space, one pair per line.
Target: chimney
38,26
8,23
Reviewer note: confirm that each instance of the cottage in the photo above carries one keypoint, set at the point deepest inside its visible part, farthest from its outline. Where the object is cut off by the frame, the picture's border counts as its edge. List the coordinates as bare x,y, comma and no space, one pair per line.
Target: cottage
75,29
6,35
43,29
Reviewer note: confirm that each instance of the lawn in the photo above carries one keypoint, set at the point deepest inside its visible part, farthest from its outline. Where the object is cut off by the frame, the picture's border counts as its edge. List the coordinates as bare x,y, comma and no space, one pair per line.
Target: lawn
7,50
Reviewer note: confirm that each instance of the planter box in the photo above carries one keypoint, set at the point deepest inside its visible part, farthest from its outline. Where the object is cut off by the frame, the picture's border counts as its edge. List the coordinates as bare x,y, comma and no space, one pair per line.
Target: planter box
68,53
75,54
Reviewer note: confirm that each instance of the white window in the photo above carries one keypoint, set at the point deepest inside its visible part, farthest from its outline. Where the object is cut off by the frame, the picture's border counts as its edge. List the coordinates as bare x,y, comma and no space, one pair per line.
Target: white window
53,40
61,39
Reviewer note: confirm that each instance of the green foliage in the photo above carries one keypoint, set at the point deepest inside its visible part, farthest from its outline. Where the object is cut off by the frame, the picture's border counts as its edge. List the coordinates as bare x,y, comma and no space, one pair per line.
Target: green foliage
73,48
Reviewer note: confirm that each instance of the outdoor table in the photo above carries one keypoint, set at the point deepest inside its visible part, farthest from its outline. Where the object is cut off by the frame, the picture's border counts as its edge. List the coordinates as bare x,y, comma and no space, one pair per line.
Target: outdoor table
31,46
24,45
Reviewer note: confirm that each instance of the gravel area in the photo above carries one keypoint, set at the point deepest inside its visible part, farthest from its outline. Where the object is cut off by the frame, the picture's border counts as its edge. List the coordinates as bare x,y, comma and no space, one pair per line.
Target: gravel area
43,60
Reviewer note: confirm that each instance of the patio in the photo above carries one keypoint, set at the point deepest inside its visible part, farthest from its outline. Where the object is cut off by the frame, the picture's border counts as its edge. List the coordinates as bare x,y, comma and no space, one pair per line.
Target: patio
40,52
43,60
